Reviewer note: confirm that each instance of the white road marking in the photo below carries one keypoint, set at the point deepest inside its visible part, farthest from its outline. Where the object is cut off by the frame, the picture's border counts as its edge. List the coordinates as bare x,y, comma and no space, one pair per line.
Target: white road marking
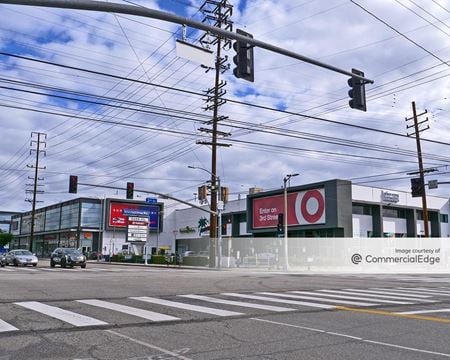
424,311
401,293
61,314
368,295
360,297
4,326
238,303
150,346
433,292
178,305
5,269
354,338
284,301
334,301
388,295
145,314
26,269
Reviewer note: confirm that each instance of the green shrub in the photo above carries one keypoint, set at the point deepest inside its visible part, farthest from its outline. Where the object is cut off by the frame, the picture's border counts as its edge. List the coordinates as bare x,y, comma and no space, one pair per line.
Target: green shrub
158,259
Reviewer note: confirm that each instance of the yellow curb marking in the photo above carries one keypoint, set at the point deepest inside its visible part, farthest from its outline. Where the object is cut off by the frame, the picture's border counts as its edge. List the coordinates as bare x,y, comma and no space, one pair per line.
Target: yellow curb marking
388,313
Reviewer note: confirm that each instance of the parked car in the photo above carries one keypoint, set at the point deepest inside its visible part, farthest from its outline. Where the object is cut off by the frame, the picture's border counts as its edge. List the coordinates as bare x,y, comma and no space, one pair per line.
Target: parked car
2,260
20,257
188,253
67,257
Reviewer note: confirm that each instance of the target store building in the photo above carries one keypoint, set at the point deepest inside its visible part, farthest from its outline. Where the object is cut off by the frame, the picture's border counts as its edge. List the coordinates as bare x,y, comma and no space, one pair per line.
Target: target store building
338,208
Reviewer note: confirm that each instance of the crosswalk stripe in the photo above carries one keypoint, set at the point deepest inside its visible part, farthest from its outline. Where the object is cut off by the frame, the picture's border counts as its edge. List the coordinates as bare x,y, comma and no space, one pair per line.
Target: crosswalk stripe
5,269
61,314
358,297
26,269
369,296
238,303
178,305
284,301
433,292
403,293
4,326
381,293
334,301
424,311
49,269
145,314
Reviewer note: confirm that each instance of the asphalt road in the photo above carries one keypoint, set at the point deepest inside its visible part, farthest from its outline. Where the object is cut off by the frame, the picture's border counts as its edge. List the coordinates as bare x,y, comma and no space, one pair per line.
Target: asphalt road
125,312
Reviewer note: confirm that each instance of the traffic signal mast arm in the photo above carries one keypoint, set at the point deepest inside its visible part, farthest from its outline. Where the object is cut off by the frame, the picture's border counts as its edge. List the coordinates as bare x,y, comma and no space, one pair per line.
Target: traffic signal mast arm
154,193
165,16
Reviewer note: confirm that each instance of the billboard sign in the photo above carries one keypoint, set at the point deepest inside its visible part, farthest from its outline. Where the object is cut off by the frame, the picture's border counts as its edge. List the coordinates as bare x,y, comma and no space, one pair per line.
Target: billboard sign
303,208
119,212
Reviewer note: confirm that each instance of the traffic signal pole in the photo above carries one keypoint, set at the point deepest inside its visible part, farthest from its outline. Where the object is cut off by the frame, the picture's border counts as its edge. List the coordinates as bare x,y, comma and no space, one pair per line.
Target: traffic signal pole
165,16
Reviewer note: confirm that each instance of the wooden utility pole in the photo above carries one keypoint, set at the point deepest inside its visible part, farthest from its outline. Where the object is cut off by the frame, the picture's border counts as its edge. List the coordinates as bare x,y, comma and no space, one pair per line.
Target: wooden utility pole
417,132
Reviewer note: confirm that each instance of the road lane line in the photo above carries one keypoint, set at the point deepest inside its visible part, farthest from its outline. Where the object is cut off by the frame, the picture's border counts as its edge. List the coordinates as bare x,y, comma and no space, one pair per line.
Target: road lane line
4,326
334,301
61,314
150,346
238,303
369,295
388,295
283,301
178,305
424,311
354,338
145,314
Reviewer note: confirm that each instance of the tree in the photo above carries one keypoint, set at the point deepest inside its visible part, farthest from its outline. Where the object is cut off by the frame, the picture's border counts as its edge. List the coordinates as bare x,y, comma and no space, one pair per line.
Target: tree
5,238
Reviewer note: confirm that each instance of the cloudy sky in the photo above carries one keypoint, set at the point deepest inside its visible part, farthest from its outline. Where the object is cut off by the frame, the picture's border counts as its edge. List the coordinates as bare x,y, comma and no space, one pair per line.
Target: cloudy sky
117,104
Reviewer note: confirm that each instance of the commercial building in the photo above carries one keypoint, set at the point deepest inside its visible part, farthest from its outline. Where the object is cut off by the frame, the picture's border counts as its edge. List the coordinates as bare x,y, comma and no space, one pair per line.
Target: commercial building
334,208
93,225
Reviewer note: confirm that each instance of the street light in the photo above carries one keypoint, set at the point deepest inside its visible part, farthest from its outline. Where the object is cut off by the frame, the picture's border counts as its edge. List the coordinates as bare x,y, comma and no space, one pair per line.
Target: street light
218,240
286,262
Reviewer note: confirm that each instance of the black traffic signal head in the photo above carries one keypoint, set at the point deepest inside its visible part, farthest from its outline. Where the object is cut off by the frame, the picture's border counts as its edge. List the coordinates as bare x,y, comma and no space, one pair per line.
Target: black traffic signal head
357,92
73,184
130,190
417,187
244,58
280,224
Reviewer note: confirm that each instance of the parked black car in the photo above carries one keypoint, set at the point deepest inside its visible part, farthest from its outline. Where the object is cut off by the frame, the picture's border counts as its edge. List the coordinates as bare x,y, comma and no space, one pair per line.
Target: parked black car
67,257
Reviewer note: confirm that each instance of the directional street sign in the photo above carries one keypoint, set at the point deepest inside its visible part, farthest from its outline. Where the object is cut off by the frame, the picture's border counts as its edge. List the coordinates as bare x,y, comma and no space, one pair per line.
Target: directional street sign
150,200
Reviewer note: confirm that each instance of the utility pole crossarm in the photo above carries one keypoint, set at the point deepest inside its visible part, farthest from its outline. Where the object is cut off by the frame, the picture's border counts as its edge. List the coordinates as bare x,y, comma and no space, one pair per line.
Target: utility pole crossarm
165,16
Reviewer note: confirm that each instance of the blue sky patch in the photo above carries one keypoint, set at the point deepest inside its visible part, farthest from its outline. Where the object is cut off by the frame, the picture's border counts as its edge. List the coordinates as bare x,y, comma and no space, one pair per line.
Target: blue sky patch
52,36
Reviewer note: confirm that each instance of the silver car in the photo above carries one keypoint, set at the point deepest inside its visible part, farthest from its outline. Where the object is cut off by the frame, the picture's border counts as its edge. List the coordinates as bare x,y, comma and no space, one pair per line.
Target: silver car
21,257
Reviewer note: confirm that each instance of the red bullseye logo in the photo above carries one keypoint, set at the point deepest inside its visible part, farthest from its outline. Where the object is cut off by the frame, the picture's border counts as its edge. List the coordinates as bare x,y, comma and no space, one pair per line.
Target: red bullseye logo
310,207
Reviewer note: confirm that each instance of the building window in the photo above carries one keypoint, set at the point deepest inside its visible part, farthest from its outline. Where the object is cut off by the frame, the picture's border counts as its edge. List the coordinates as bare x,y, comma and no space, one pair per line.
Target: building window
394,212
419,214
52,219
69,216
361,209
91,215
444,218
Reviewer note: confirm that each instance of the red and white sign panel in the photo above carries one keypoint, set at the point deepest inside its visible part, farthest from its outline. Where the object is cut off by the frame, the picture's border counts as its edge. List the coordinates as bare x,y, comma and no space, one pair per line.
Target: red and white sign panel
303,208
